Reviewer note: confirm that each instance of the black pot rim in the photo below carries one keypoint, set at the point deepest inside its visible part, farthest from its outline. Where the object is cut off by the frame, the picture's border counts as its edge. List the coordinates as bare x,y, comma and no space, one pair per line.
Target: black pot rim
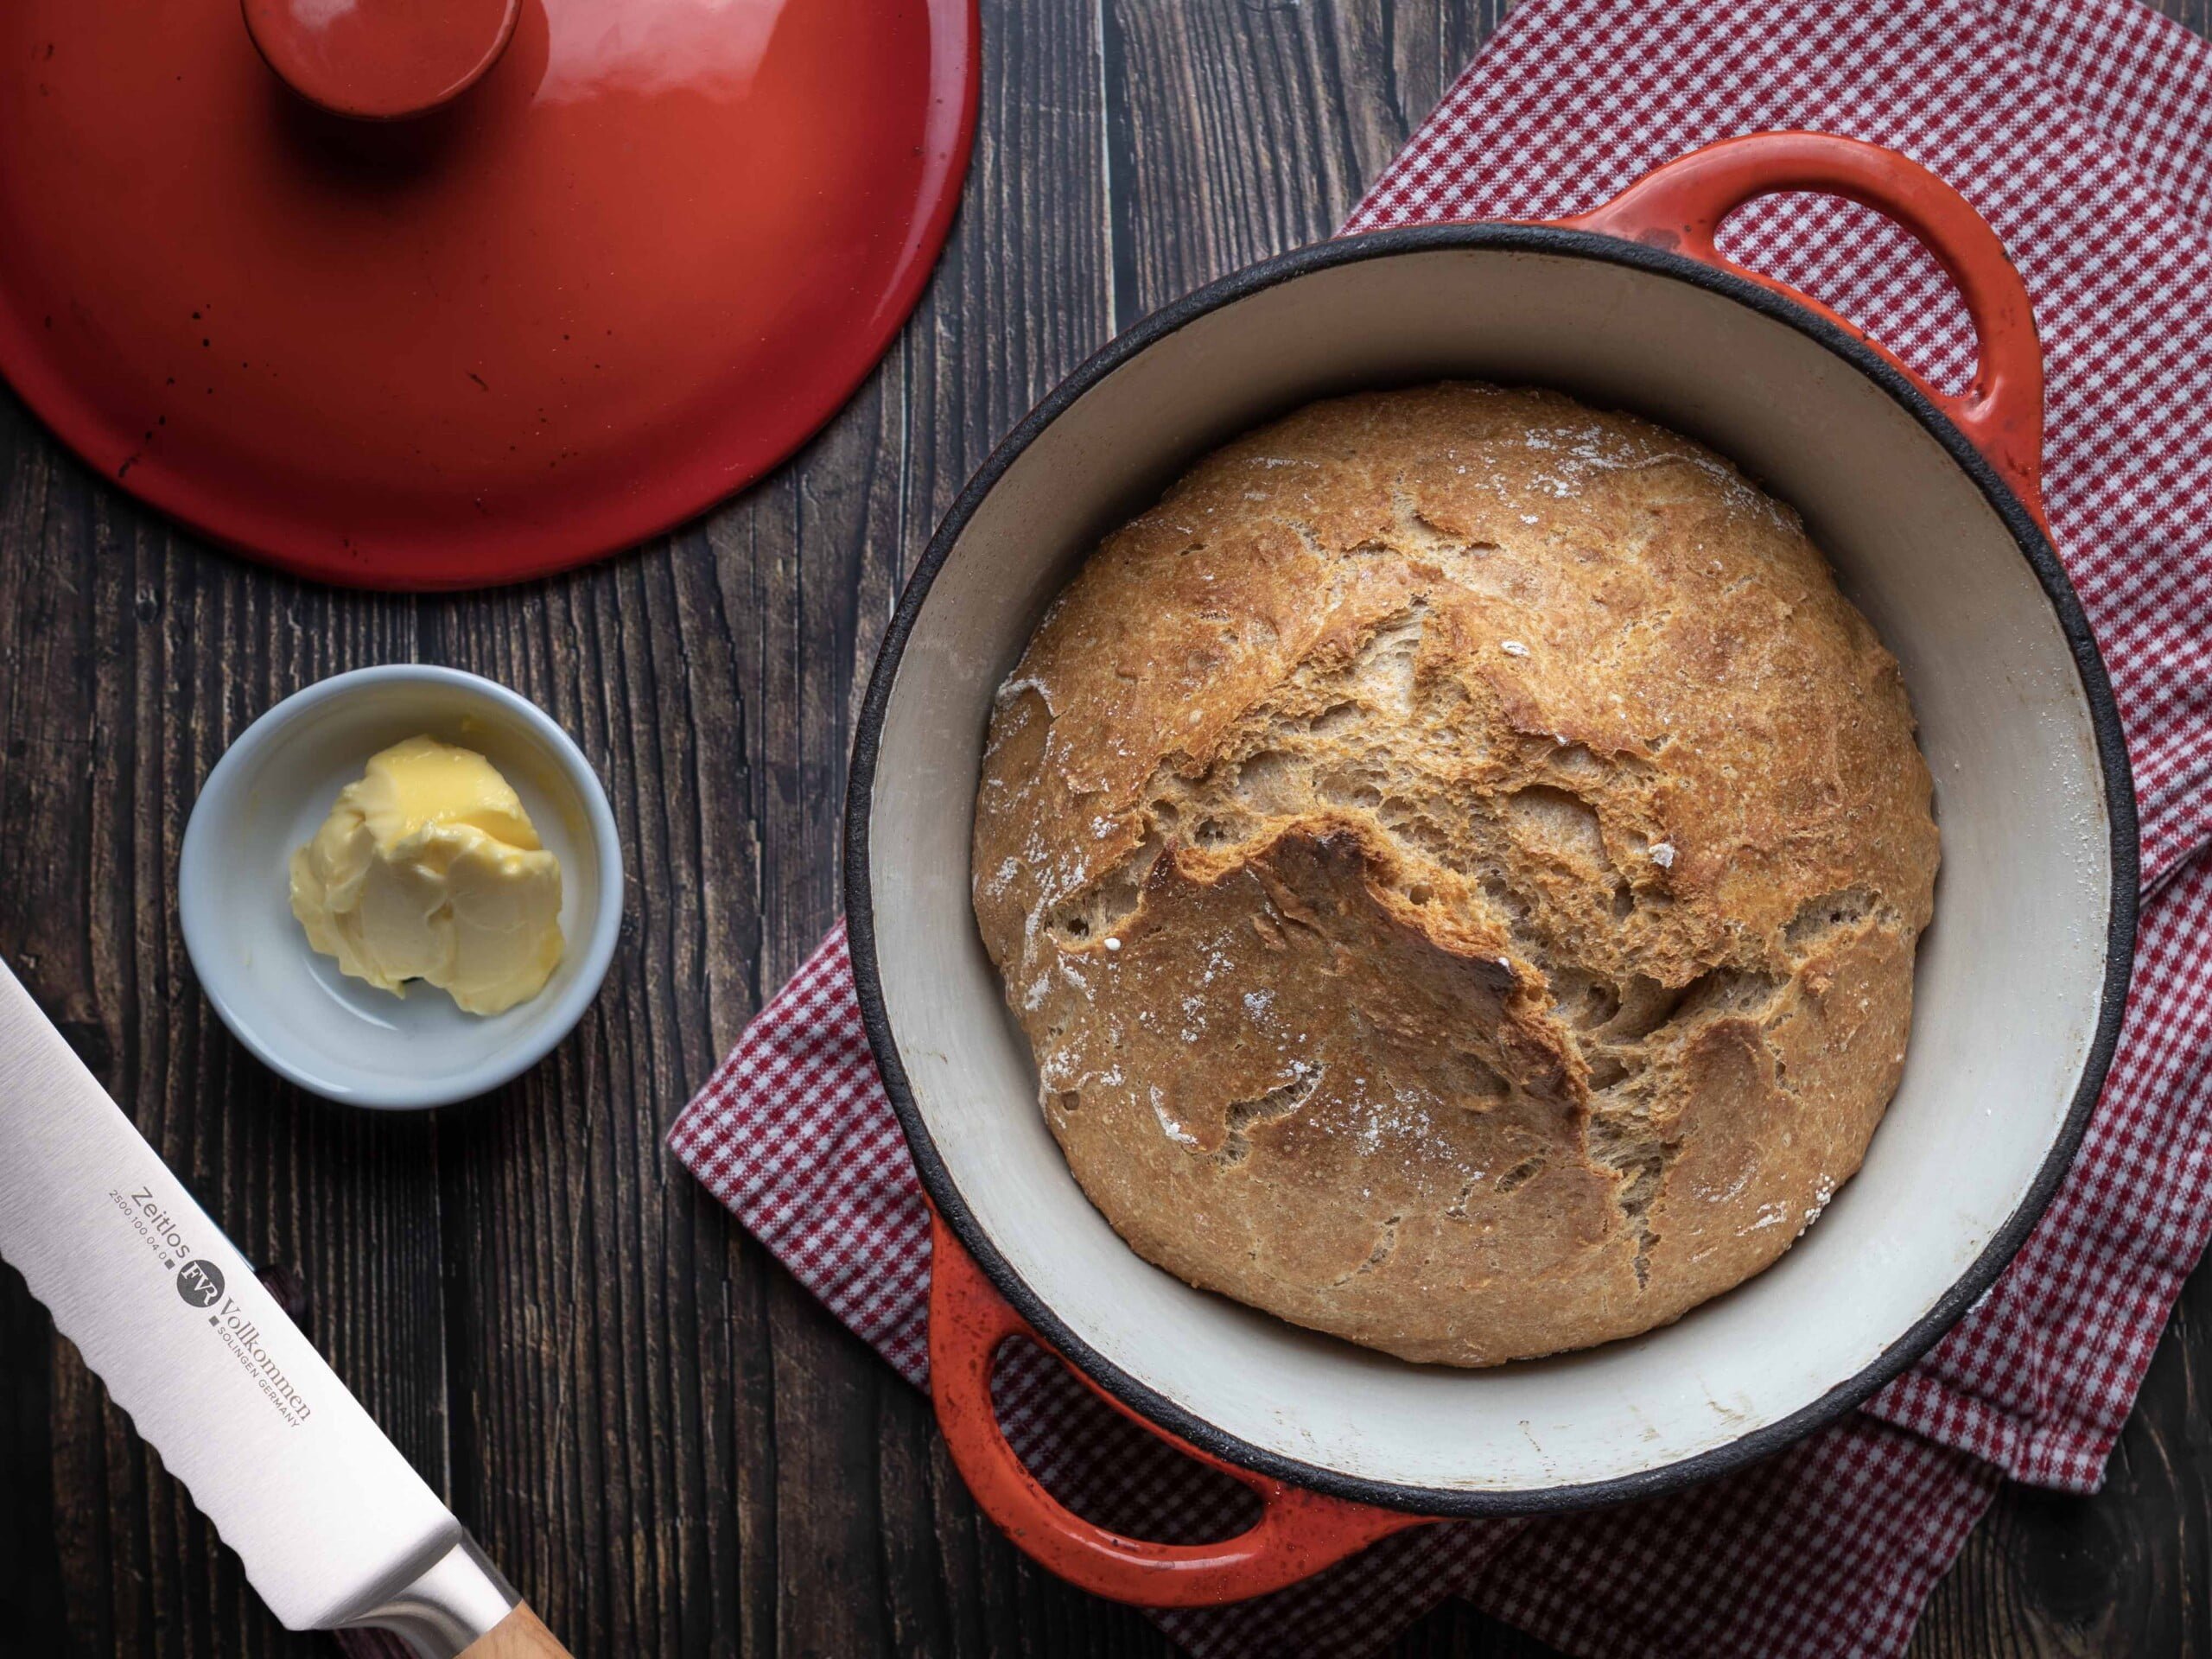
2120,812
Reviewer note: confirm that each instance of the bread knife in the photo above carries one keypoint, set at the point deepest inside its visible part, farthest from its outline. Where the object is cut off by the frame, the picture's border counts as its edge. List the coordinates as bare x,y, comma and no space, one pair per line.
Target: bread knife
336,1530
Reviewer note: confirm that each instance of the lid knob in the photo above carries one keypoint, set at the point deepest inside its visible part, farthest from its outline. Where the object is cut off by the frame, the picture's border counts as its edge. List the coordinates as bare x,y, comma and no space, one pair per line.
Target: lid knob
380,60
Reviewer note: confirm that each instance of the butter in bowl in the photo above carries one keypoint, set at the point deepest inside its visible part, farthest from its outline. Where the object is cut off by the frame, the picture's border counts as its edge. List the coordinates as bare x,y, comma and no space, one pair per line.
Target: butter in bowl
430,870
401,886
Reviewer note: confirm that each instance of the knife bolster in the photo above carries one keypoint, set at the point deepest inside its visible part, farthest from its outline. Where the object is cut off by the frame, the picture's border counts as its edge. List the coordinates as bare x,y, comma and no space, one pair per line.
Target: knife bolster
518,1637
457,1605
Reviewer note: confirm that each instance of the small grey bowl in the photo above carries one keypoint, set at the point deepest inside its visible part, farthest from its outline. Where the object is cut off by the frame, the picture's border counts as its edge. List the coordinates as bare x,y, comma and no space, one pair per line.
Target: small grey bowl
341,1038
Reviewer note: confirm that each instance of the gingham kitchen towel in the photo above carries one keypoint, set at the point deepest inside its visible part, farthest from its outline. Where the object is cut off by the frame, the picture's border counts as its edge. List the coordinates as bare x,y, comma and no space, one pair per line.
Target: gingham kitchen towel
2083,132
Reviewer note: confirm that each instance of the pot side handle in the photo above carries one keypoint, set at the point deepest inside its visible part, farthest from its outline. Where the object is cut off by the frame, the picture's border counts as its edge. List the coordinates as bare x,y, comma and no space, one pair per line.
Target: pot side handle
1298,1532
1679,207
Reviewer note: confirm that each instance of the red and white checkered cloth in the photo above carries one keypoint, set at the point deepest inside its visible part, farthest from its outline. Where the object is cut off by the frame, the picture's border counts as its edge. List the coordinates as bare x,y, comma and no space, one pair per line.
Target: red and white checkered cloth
2083,131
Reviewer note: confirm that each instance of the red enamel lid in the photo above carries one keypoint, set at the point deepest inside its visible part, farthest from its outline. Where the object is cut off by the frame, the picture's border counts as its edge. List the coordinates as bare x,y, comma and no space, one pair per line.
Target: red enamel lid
634,252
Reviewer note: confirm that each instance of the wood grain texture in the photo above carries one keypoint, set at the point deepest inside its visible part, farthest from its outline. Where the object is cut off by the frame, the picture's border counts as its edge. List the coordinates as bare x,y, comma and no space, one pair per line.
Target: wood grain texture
663,1441
521,1635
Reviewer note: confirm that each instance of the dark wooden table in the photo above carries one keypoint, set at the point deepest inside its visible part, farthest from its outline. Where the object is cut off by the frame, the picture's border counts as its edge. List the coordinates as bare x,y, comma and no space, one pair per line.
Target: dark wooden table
655,1430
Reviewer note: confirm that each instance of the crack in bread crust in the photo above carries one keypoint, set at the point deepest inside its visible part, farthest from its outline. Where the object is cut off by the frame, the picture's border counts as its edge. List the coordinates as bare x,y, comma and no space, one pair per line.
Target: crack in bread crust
1459,860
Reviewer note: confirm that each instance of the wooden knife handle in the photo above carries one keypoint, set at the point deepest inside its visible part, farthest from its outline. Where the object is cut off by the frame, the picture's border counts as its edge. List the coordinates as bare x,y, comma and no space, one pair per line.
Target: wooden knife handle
519,1635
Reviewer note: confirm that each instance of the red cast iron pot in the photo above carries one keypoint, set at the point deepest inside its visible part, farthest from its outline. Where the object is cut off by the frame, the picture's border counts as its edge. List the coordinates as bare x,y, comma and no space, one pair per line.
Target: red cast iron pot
1928,503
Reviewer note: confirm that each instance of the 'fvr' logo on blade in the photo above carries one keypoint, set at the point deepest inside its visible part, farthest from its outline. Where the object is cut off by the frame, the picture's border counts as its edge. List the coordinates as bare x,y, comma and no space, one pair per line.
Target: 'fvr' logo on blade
200,1283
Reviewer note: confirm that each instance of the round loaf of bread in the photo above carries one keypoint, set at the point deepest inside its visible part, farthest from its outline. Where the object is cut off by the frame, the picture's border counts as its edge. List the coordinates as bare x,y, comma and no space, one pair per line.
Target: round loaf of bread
1459,860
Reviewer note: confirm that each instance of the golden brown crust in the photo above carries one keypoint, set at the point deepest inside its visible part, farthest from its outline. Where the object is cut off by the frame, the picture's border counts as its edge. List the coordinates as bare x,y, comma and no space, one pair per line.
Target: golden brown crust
1458,861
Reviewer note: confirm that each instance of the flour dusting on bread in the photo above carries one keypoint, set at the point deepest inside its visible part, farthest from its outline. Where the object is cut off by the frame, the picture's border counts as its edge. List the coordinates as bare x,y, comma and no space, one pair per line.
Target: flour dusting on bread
1458,861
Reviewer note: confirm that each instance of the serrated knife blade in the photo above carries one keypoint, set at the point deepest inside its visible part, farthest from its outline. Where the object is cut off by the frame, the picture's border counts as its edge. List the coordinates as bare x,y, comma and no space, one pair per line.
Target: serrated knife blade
334,1526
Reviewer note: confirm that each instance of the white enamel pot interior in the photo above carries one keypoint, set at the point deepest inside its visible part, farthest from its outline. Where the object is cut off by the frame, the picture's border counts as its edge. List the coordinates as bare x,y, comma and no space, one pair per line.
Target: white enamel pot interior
2020,981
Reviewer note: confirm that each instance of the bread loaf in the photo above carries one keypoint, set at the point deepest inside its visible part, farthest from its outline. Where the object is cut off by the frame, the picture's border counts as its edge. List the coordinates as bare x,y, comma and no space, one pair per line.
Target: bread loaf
1459,860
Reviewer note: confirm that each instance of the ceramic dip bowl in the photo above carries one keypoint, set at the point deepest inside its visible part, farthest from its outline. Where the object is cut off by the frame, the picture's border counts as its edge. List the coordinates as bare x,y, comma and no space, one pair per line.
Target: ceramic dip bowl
340,1036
